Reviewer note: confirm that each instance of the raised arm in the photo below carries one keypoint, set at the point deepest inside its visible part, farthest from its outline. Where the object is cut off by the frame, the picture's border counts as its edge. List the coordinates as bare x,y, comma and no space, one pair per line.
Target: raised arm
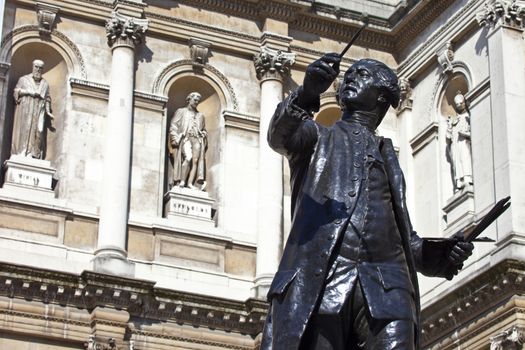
292,129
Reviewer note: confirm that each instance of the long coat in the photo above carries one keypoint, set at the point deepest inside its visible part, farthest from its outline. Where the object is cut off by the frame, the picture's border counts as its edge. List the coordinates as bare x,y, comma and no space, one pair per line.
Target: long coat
179,127
321,162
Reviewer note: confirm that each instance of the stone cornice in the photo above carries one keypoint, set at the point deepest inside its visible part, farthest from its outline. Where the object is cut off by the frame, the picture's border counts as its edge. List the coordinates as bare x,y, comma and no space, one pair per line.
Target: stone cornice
325,20
138,297
468,305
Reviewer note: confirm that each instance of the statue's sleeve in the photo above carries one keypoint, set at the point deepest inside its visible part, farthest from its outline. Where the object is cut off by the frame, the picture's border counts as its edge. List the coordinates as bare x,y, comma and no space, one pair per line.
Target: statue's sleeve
17,93
292,130
175,132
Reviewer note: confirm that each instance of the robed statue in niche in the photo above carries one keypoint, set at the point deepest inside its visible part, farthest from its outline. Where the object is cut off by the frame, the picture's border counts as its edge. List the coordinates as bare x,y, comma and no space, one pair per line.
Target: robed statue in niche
188,141
458,144
33,111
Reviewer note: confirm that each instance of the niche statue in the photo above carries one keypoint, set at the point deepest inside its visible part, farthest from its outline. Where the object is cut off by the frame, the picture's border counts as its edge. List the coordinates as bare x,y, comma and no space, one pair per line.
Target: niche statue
347,278
458,144
33,106
188,141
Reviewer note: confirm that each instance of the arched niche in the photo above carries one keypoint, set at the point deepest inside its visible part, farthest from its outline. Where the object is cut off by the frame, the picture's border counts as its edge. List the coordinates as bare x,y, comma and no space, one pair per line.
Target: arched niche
328,116
211,105
457,81
56,73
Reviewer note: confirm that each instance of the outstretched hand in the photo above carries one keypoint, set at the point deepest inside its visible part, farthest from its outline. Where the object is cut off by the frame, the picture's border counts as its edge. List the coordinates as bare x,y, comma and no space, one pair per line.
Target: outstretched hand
320,74
445,258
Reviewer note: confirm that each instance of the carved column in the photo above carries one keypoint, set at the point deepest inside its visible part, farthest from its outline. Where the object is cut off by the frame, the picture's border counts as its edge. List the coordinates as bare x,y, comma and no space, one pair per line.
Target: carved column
271,67
124,34
505,21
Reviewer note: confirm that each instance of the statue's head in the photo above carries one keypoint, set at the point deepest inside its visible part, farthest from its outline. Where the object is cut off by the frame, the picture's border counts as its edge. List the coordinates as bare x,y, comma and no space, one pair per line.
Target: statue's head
369,86
460,104
38,69
193,99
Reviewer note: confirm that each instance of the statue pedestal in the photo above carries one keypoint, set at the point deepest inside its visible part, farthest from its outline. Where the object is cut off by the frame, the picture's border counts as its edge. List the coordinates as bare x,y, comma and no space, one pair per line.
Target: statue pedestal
459,210
182,203
29,176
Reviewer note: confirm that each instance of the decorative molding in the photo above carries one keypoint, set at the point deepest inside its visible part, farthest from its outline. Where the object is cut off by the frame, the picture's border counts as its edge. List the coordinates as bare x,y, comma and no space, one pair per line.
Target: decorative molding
273,64
478,91
199,50
423,53
424,137
101,91
241,121
476,306
507,12
71,46
445,56
137,297
46,16
166,73
124,30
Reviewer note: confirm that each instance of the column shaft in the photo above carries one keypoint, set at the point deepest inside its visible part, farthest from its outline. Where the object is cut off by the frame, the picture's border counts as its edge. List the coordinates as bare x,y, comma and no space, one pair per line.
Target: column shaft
117,154
270,225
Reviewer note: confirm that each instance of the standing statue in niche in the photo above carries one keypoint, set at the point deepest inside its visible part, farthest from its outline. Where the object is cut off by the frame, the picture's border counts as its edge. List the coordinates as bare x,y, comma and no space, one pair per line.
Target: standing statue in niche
188,141
458,144
347,278
33,106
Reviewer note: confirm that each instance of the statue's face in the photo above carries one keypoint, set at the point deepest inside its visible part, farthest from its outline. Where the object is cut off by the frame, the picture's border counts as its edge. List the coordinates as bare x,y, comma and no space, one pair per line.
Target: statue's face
193,100
459,103
38,69
359,89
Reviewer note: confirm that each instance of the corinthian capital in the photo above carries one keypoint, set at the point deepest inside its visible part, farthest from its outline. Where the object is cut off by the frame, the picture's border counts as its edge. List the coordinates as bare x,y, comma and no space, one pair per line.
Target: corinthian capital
513,338
271,63
508,12
125,30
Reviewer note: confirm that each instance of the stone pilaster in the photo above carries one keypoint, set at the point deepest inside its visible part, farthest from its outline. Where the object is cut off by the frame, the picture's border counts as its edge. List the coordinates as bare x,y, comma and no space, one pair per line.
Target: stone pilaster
124,34
506,54
271,67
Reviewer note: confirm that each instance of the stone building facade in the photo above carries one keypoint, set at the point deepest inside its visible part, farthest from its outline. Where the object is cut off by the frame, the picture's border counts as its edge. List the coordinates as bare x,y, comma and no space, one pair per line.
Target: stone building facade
98,248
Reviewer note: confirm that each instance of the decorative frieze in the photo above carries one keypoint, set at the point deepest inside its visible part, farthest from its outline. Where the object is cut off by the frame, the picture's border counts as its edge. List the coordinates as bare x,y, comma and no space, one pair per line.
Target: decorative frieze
46,15
507,12
271,63
139,298
125,30
467,307
511,339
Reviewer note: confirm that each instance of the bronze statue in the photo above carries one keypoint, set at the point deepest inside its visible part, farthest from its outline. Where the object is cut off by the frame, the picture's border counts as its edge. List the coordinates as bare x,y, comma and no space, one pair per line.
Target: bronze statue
33,105
188,141
347,278
458,144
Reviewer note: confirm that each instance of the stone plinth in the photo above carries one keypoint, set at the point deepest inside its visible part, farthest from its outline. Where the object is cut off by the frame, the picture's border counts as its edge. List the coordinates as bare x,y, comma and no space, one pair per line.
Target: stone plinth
33,177
459,210
185,203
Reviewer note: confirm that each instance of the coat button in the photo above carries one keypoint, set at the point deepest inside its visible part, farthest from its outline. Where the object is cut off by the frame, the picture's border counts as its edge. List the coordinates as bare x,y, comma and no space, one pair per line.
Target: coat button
355,178
338,221
324,255
356,132
352,193
318,272
331,236
357,165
